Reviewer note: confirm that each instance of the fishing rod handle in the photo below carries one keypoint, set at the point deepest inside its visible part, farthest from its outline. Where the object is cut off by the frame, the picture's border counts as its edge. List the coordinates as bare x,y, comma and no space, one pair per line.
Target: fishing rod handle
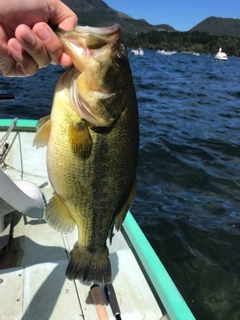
98,302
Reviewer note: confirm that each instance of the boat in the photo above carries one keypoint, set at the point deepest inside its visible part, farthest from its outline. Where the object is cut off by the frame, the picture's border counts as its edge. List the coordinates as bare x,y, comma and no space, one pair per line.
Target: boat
34,257
137,52
221,56
166,53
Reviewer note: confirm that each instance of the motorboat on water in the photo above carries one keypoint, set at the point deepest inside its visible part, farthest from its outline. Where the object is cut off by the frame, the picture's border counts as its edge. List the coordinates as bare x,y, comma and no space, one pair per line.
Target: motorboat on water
137,52
221,56
166,53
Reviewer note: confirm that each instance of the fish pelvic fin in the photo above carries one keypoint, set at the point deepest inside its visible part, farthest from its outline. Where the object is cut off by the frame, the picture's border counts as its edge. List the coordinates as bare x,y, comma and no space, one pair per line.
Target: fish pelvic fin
123,212
43,132
57,215
80,139
87,265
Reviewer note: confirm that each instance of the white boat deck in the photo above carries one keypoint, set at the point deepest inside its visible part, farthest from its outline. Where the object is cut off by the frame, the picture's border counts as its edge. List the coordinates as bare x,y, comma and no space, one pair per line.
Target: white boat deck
37,287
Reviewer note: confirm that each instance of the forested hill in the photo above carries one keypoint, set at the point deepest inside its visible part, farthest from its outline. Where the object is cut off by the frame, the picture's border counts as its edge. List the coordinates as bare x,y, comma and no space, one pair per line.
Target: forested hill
194,41
205,37
97,13
219,26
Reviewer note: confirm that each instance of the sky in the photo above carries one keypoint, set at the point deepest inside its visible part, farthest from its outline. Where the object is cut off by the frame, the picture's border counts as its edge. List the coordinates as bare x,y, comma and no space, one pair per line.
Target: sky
182,15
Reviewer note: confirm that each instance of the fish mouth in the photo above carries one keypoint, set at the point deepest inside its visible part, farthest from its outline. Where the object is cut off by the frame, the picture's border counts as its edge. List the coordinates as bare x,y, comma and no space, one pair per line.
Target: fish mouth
89,37
87,103
87,41
88,110
90,48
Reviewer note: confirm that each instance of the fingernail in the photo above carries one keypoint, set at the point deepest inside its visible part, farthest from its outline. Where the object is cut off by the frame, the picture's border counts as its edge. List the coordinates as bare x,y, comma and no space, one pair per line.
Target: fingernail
14,45
29,37
44,34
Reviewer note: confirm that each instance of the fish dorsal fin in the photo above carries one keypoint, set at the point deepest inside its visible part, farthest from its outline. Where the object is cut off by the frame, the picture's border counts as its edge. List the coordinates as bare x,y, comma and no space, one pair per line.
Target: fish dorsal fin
43,132
58,216
80,139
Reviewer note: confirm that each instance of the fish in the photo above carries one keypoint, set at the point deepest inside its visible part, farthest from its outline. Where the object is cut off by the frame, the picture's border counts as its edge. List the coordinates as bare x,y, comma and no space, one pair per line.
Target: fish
92,139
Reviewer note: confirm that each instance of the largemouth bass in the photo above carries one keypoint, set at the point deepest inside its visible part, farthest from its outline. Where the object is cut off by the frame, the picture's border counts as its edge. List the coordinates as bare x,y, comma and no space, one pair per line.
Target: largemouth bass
92,147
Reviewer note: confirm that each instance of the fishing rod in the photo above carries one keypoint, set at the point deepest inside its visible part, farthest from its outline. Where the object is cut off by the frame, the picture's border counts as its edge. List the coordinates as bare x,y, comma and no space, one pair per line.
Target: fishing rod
6,96
111,295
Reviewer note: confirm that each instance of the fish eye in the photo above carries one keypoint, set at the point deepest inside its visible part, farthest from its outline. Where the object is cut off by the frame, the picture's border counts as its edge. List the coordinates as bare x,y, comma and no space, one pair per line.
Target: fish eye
120,59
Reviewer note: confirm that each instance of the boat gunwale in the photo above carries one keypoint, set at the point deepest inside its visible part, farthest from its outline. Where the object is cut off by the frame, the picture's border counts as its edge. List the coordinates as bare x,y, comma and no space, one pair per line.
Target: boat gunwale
21,124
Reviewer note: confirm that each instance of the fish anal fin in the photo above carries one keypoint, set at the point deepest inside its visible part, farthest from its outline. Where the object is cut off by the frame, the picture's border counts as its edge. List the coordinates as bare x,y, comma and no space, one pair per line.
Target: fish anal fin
57,215
123,212
43,132
111,232
80,139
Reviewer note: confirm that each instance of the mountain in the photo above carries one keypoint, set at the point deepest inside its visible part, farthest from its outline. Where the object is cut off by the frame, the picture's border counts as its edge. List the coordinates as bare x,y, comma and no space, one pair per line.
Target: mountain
97,13
219,26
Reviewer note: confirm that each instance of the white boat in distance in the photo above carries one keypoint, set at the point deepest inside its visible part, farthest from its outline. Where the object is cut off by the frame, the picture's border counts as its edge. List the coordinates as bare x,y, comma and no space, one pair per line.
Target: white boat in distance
221,56
138,52
166,53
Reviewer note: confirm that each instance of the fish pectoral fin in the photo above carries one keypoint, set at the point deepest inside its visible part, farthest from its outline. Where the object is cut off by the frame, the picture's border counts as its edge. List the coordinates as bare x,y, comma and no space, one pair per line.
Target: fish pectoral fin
42,121
57,215
80,139
43,132
120,216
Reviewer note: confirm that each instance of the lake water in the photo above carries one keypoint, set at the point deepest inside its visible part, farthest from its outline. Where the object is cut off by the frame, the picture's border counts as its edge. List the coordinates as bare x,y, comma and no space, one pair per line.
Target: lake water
188,193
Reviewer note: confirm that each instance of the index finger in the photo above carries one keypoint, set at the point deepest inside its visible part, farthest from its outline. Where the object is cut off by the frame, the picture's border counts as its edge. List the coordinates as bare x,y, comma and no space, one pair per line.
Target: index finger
49,40
7,63
64,17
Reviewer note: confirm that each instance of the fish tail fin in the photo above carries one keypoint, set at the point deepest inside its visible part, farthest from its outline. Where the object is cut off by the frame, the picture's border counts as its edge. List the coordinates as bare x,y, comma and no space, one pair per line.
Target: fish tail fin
89,266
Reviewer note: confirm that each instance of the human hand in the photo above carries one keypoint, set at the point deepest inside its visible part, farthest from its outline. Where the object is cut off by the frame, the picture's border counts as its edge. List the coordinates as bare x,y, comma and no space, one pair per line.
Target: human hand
27,41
